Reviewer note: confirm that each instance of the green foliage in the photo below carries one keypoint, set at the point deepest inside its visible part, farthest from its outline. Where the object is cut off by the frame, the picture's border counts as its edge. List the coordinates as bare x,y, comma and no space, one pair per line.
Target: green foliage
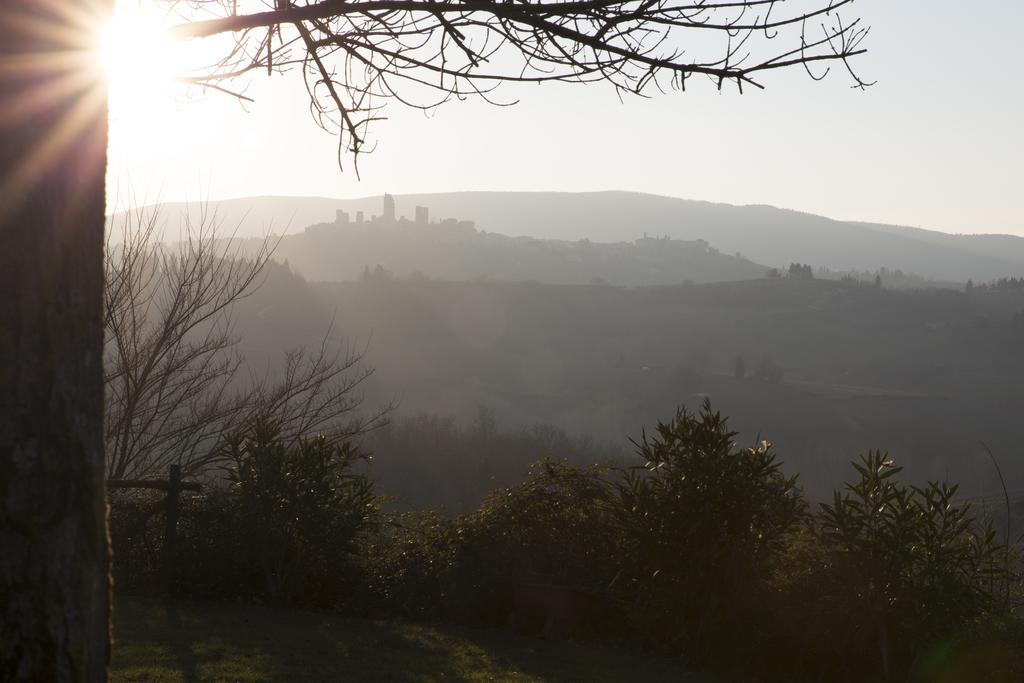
136,525
409,560
284,525
892,572
555,528
704,549
701,522
926,567
300,508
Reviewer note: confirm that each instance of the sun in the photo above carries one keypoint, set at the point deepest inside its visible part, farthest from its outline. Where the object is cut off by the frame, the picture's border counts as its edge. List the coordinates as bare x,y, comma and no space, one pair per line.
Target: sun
138,57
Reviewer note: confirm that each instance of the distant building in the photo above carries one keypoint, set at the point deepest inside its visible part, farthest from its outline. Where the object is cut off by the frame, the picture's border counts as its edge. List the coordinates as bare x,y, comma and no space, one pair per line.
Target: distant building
389,208
422,215
359,216
341,217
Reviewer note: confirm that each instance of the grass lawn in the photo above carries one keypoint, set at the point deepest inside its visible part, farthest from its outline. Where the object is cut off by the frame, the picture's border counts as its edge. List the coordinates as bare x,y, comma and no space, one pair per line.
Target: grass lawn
195,641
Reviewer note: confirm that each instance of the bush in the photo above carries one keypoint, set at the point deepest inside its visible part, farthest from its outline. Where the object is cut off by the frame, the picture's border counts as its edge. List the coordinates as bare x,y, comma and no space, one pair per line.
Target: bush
136,525
299,510
704,549
284,530
408,562
891,573
702,522
553,529
214,550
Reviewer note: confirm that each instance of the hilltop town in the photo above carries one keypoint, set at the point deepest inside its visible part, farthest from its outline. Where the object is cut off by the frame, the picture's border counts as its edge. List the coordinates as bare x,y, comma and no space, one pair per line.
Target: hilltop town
387,220
454,249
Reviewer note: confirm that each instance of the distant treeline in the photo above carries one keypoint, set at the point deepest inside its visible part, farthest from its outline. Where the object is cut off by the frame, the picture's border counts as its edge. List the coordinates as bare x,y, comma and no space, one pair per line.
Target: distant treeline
1005,284
434,461
927,371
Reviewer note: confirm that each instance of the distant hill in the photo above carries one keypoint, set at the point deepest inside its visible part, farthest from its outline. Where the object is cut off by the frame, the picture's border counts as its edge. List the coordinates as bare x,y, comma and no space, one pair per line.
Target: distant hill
762,234
455,250
832,368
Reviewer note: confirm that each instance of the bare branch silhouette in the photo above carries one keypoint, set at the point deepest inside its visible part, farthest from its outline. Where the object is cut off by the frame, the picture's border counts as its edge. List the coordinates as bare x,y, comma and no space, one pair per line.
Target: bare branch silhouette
172,361
357,55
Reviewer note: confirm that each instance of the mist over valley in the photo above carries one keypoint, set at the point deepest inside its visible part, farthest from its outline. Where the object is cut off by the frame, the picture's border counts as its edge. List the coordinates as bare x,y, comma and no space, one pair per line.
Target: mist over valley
600,339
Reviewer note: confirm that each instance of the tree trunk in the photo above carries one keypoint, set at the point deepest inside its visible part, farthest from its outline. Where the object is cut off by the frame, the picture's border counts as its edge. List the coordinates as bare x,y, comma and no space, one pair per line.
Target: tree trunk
54,567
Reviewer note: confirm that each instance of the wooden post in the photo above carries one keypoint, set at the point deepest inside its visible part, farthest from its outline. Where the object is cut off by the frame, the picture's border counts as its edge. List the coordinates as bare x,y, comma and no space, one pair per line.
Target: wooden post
174,487
171,528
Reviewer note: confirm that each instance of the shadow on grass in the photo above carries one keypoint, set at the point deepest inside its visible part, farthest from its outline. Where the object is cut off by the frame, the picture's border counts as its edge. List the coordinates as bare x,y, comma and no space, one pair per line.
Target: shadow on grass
194,641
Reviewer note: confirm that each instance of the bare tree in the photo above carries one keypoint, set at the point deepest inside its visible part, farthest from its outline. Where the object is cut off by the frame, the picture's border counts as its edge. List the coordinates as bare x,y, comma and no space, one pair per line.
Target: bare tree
169,357
355,55
317,391
172,363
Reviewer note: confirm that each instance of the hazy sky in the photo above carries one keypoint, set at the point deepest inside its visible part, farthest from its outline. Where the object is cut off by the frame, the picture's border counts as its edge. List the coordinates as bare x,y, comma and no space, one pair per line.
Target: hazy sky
937,143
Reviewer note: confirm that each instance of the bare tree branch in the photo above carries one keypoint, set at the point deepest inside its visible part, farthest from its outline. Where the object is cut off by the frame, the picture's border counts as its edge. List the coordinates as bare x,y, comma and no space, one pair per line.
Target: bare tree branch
357,55
172,361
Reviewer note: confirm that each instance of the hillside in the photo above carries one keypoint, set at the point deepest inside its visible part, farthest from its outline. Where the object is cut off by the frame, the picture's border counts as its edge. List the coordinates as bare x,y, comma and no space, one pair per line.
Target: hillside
763,234
456,250
833,368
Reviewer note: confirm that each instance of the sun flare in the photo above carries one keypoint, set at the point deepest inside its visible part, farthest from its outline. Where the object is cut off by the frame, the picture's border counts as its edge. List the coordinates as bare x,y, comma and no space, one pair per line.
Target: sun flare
139,58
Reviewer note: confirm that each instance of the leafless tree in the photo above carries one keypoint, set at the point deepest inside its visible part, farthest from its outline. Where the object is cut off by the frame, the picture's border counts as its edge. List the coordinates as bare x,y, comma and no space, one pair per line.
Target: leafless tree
356,55
317,391
172,363
169,351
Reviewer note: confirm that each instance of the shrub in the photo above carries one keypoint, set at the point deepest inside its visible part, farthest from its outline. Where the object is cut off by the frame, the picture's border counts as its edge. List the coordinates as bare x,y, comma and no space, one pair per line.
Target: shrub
214,550
136,525
283,525
299,509
702,521
892,573
552,529
705,549
409,560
